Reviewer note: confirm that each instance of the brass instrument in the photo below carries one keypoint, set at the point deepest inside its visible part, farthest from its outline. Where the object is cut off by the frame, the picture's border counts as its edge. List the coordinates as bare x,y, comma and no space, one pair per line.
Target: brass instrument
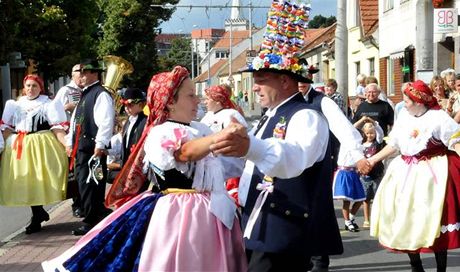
116,68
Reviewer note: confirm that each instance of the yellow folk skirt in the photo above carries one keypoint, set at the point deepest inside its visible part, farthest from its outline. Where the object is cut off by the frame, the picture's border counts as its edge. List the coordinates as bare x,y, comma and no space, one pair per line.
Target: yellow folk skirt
407,209
39,177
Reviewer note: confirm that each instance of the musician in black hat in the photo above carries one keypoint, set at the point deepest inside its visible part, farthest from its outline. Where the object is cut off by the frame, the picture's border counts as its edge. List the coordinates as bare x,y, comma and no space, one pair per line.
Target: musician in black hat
91,129
134,101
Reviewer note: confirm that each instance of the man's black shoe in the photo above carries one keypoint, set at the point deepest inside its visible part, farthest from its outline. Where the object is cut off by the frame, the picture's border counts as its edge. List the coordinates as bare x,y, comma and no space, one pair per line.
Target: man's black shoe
77,213
81,230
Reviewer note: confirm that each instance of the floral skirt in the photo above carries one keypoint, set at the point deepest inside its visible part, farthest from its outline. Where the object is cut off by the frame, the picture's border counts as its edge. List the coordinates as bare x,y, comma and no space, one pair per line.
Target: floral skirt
39,176
156,232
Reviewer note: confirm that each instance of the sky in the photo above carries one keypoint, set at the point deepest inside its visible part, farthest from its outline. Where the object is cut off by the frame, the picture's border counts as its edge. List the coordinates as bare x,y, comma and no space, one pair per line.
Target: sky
184,20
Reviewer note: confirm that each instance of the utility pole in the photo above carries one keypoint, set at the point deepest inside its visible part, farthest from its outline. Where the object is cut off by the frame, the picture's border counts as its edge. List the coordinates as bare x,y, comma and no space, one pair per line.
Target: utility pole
341,49
424,39
193,63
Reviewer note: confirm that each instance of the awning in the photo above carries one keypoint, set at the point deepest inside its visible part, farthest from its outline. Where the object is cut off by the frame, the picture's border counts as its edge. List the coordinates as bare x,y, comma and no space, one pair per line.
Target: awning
397,55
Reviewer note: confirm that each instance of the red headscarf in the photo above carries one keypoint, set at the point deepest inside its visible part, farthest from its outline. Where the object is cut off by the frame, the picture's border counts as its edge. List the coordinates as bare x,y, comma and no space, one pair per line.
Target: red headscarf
419,92
221,94
160,93
37,79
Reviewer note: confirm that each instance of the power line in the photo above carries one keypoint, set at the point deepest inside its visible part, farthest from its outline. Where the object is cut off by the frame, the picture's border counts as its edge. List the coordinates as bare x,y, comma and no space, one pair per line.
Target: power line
206,6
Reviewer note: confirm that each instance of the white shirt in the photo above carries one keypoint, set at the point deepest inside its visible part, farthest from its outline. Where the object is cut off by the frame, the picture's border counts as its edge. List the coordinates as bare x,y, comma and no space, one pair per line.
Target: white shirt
19,115
68,93
2,144
219,120
104,115
305,143
410,134
115,149
132,120
349,137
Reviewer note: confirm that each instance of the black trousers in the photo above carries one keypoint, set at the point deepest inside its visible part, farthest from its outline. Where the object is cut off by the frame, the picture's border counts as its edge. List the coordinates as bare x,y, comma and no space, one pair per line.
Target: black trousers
92,195
266,261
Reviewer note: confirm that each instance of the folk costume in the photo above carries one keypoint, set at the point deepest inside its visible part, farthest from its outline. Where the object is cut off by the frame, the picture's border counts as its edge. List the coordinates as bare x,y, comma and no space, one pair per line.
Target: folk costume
91,127
33,167
134,127
283,189
219,119
417,208
186,222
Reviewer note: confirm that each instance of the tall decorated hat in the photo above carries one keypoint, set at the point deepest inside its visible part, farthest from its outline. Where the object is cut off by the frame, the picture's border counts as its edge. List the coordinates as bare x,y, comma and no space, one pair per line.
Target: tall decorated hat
284,40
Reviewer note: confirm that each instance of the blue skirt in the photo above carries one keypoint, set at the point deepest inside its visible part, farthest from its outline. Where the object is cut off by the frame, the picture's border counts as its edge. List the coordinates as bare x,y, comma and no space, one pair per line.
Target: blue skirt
347,186
117,247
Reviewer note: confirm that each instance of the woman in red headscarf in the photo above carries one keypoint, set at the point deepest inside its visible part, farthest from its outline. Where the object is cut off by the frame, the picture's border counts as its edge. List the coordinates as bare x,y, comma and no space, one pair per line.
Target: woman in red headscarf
416,208
221,110
187,221
33,169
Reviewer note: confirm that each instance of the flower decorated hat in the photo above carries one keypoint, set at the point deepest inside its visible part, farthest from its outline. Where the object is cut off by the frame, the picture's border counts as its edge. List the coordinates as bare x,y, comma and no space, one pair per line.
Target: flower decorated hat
283,41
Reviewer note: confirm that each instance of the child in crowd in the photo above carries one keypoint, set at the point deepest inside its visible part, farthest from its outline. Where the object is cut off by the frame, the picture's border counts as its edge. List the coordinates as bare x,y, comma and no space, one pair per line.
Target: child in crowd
114,162
348,188
372,143
2,143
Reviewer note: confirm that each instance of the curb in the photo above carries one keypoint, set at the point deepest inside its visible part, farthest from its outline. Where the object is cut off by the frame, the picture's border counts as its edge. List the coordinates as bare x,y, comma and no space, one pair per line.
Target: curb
10,241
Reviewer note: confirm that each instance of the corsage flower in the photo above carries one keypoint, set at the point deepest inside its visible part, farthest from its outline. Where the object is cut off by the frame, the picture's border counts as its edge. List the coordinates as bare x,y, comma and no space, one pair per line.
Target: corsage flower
180,135
280,129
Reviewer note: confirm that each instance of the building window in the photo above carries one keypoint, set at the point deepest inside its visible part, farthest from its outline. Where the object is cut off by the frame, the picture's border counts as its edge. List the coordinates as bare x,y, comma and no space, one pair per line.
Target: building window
354,14
372,66
222,55
390,77
357,68
388,4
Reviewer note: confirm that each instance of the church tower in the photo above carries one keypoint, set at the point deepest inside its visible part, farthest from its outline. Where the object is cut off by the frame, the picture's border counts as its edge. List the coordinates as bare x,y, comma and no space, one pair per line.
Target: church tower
236,21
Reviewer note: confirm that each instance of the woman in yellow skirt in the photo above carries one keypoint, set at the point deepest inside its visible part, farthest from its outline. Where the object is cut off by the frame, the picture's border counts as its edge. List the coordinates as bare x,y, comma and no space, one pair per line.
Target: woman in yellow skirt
417,205
33,168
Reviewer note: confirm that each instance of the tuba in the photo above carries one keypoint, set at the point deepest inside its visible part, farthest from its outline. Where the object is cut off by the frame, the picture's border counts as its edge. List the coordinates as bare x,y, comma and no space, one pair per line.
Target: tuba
116,68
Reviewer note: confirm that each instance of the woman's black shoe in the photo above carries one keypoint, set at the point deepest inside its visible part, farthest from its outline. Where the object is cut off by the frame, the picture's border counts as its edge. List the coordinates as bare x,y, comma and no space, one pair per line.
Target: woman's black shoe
35,224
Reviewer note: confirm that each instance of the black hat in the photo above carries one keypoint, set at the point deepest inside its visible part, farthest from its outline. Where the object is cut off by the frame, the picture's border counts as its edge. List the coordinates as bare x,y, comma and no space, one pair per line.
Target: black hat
90,65
133,95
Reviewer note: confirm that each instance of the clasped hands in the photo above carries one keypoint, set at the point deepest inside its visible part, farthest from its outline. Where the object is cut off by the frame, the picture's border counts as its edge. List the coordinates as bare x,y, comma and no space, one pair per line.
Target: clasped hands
364,166
232,141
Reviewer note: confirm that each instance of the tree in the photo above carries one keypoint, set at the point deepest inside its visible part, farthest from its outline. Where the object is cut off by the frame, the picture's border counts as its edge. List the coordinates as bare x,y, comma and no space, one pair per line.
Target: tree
129,32
179,54
320,21
53,33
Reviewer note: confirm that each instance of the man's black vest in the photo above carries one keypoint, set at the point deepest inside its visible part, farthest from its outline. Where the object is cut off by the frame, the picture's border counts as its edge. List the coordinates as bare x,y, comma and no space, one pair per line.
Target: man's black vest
314,99
85,118
298,217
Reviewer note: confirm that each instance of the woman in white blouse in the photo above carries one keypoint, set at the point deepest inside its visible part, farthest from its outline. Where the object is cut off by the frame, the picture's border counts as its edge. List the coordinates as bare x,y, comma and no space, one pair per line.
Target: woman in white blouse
416,208
33,170
221,110
187,221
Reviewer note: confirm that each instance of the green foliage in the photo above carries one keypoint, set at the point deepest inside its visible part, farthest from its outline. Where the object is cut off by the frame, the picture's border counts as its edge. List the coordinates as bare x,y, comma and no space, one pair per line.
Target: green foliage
320,21
59,33
179,54
54,33
129,29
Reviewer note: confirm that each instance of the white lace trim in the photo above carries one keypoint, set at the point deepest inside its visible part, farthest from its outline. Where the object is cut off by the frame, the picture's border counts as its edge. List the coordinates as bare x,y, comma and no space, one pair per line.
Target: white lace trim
450,227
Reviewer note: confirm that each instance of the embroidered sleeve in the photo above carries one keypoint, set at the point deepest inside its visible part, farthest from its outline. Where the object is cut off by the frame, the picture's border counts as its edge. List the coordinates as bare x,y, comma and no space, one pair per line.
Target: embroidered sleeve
448,130
7,120
160,145
56,116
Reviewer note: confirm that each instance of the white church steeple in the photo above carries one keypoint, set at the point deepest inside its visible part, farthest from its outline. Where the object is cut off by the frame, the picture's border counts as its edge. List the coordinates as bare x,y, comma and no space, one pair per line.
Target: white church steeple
236,22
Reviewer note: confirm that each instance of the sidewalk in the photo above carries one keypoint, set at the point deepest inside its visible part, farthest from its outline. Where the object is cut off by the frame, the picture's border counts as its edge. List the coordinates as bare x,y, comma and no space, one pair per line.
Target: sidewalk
24,253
